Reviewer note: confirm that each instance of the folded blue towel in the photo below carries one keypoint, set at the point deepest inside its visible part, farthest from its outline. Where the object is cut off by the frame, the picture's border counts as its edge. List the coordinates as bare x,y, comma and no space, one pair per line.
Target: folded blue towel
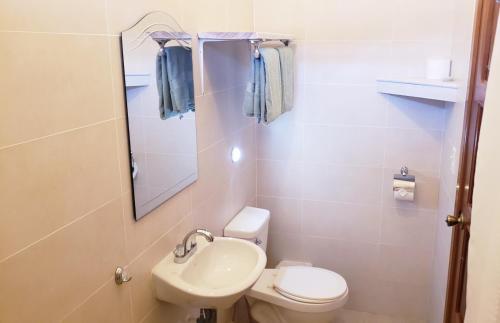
174,76
248,101
269,92
273,86
254,104
165,101
287,77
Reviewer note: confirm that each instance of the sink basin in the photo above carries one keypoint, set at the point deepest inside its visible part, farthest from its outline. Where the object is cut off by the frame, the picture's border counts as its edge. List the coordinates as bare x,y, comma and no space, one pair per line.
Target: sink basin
215,276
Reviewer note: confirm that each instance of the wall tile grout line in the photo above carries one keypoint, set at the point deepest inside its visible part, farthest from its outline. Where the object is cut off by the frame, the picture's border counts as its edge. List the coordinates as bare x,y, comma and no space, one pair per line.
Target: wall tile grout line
58,230
277,197
118,160
149,313
347,165
95,292
62,132
152,244
56,33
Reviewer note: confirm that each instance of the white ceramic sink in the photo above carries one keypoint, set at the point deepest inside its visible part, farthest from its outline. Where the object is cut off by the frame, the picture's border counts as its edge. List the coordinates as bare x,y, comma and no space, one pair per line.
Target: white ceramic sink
215,276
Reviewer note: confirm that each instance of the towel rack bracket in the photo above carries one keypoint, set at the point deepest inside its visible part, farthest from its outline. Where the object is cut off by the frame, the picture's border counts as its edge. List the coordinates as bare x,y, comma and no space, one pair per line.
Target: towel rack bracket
254,38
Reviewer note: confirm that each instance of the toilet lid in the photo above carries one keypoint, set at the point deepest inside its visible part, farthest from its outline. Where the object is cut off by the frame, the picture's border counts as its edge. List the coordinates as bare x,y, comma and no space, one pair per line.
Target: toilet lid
309,284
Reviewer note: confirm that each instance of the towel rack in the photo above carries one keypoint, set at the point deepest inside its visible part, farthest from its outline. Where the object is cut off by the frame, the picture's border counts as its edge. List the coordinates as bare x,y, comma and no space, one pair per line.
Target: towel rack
255,43
163,37
255,39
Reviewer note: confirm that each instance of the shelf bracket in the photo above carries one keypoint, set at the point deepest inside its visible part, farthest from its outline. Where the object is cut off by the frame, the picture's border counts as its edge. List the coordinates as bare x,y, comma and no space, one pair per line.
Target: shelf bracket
206,37
201,47
201,53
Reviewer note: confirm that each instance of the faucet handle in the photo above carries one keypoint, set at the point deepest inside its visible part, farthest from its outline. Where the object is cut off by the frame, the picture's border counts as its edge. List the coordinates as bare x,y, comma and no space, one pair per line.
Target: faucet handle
179,250
188,246
192,242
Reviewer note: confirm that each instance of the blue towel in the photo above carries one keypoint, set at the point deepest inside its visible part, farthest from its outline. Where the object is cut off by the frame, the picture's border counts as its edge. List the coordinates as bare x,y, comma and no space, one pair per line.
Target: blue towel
254,104
165,102
260,93
174,77
287,77
248,101
273,84
269,91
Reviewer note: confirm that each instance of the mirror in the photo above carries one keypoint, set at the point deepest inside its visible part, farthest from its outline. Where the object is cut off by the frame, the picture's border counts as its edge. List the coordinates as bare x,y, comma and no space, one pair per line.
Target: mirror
158,74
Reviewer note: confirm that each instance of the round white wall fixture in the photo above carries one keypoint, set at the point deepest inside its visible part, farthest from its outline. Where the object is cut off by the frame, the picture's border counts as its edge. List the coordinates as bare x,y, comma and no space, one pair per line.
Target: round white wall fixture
235,154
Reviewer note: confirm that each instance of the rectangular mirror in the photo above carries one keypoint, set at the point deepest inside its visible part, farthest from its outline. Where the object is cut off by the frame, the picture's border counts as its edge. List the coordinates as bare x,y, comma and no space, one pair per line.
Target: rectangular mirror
158,68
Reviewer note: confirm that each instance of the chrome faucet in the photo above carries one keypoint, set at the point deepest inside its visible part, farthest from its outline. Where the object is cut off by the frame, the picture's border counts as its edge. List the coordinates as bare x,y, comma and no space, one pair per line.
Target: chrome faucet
188,246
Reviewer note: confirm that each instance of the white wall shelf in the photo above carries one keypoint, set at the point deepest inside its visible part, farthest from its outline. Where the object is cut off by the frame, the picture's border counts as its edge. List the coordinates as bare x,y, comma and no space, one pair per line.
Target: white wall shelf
224,36
419,88
136,80
170,35
232,36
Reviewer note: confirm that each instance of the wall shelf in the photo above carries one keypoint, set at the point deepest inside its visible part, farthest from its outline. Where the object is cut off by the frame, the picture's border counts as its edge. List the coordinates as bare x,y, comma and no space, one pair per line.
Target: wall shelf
224,36
170,35
136,80
420,88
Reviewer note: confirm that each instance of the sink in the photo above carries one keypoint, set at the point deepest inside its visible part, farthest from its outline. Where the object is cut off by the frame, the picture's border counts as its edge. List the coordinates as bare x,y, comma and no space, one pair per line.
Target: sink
215,276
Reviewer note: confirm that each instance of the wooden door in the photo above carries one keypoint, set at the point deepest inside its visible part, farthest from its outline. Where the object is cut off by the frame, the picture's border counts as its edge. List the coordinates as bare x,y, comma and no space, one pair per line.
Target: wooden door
484,35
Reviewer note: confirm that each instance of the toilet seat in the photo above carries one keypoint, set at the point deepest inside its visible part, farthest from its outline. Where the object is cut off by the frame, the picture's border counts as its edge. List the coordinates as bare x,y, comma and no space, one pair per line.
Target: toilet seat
264,290
309,284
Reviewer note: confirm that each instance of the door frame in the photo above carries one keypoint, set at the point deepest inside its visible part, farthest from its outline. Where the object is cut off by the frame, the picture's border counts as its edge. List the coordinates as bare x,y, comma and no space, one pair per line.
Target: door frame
481,24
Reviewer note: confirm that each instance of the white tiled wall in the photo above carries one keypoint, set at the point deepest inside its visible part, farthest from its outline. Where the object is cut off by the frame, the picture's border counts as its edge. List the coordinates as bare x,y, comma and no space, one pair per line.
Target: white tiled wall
66,209
325,170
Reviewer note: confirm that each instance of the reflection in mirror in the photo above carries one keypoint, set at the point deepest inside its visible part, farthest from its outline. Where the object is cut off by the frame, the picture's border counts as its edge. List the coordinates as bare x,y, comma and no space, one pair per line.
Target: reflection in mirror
158,68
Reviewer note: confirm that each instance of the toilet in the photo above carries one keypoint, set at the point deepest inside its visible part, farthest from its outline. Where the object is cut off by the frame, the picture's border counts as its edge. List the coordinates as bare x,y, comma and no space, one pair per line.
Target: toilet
292,292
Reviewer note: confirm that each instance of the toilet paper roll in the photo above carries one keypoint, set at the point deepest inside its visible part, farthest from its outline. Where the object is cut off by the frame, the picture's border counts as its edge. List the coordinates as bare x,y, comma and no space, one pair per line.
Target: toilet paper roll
403,195
404,190
438,69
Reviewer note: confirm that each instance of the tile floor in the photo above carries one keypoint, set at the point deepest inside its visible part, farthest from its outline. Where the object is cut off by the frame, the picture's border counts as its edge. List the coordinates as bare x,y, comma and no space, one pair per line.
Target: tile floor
347,316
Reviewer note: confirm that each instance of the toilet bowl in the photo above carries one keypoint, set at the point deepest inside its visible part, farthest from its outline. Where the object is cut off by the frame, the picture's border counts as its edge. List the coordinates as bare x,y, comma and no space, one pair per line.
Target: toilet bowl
291,293
297,294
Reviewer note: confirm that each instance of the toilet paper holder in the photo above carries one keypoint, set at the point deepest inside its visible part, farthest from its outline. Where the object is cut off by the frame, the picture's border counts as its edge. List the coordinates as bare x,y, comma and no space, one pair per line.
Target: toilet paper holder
403,185
404,175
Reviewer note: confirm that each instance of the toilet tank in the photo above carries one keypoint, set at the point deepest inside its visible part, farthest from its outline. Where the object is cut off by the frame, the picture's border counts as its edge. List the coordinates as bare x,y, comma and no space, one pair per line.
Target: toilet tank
250,224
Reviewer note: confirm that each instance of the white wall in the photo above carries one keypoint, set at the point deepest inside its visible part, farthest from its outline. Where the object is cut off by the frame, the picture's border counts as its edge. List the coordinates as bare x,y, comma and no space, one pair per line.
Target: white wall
63,148
325,170
66,205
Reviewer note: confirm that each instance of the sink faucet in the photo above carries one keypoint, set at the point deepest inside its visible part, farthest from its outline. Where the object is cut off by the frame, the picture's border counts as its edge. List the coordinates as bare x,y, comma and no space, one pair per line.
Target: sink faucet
188,246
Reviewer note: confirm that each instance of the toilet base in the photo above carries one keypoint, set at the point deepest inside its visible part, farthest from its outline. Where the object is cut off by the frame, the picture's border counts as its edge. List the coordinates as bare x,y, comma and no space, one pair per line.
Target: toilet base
263,312
225,315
